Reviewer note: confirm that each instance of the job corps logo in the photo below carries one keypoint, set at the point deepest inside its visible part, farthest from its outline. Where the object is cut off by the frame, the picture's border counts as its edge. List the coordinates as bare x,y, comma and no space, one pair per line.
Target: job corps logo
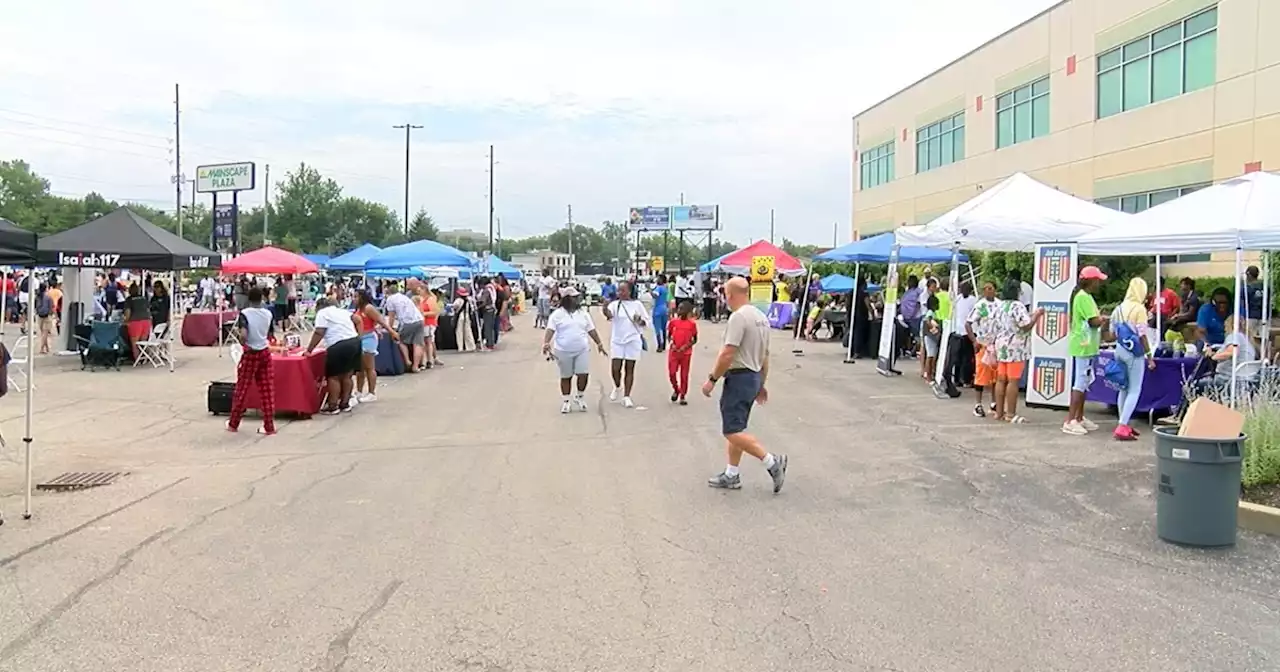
1053,326
1049,376
1054,265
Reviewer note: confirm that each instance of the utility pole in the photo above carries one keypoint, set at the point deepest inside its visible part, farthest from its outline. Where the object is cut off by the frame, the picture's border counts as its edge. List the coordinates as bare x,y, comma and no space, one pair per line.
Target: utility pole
499,220
570,225
490,199
408,128
835,229
178,177
266,209
770,226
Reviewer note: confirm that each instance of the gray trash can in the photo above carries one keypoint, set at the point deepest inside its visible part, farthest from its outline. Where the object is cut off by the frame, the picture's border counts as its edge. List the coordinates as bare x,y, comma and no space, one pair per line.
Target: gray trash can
1197,488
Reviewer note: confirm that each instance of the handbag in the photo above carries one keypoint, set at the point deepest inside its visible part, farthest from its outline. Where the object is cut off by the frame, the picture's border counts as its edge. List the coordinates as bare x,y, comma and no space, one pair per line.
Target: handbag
644,342
1115,374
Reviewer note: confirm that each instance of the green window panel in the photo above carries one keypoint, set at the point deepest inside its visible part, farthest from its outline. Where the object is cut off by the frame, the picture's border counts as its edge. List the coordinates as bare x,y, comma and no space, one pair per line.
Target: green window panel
875,166
1023,113
940,143
1169,62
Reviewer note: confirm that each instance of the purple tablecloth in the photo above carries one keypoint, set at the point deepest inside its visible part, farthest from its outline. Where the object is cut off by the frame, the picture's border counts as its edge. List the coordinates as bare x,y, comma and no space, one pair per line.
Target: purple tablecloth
1161,387
780,314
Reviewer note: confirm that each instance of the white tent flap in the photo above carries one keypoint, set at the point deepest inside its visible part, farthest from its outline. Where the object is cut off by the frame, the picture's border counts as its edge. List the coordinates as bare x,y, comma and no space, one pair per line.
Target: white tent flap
1012,216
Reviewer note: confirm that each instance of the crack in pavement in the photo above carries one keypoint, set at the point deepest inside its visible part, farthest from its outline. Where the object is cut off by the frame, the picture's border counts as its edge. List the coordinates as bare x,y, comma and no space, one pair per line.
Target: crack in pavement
604,418
85,525
249,494
70,601
340,646
297,496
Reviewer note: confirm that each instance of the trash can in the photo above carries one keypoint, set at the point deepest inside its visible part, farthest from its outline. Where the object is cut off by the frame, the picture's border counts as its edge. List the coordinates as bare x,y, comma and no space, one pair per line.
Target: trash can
1197,488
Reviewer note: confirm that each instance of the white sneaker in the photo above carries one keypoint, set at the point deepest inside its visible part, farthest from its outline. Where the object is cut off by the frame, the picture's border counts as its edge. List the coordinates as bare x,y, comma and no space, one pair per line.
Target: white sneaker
1074,428
368,398
564,406
627,403
1089,425
355,400
580,404
613,396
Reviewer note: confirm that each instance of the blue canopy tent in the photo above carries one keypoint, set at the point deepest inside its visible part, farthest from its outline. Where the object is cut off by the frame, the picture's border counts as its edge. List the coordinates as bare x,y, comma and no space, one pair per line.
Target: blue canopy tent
876,250
320,260
355,259
711,266
418,253
837,284
496,266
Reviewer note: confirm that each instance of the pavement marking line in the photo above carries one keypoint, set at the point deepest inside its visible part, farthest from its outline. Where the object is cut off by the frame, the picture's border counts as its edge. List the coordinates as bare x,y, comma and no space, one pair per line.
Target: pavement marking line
78,528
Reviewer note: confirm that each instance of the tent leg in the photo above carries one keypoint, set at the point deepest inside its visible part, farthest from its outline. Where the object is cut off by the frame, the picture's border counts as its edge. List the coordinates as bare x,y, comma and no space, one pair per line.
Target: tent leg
31,386
1235,353
853,310
173,316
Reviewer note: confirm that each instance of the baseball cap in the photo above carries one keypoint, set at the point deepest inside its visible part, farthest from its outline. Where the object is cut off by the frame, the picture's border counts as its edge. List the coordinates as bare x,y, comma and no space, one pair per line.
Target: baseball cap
569,291
1092,273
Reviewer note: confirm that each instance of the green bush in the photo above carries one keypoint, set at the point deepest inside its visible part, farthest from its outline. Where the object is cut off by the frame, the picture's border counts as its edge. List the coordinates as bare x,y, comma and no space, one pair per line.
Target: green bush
1261,409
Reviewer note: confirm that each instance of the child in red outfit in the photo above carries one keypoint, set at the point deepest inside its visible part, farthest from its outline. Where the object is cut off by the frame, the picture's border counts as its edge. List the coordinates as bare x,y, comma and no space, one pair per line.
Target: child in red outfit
682,335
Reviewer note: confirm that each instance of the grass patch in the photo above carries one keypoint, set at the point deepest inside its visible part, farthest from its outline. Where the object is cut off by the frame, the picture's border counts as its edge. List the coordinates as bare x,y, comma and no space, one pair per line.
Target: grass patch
1260,467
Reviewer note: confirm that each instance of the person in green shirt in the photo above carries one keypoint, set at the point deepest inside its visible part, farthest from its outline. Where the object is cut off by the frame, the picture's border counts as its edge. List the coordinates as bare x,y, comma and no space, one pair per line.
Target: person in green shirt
1082,345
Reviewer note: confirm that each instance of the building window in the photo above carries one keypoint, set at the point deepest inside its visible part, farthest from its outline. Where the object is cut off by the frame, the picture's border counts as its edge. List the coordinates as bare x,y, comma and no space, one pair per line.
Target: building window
1135,203
1023,113
1174,60
940,143
875,166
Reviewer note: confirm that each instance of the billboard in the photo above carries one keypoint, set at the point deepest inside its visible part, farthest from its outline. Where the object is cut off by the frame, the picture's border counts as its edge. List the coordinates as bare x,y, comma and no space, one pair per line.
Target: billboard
225,177
695,218
649,218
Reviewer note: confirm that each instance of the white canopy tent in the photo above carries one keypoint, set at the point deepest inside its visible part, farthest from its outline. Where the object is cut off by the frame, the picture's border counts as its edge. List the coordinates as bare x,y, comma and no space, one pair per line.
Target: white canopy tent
1240,213
1012,217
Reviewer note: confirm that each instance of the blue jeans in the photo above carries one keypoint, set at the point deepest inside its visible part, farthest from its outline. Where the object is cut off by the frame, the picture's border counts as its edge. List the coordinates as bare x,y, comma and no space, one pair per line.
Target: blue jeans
660,330
1128,397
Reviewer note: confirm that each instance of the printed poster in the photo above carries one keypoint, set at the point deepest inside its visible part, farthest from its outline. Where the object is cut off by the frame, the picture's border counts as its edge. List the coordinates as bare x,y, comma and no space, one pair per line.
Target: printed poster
1049,381
884,360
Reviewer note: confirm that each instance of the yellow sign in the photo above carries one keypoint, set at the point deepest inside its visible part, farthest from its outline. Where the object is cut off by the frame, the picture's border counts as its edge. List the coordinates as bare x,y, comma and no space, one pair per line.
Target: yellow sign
762,269
656,264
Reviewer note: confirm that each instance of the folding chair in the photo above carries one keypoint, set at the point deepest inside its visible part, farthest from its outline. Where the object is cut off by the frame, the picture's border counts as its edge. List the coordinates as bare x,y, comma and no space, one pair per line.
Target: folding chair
154,350
18,362
105,347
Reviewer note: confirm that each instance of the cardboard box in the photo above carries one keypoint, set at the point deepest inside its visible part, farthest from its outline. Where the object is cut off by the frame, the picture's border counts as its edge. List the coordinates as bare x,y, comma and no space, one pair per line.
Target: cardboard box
1207,419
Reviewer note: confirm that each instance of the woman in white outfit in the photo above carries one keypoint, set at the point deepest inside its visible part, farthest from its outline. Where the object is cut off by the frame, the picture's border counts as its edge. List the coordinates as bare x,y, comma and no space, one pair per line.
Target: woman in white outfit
626,316
569,334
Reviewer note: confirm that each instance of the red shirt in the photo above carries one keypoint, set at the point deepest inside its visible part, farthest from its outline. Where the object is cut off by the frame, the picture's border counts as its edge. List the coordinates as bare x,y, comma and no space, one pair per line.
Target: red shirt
682,333
1169,303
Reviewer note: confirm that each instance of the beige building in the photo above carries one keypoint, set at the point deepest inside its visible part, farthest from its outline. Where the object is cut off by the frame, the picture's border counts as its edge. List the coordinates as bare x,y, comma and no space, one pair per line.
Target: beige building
534,262
1129,103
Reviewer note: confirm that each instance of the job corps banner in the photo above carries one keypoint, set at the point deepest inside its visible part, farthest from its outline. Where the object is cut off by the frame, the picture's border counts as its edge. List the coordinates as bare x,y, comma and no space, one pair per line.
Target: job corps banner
1049,381
884,359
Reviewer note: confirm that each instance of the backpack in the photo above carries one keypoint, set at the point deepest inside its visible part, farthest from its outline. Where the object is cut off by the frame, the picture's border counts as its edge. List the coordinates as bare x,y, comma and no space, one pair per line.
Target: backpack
1126,336
1115,375
45,306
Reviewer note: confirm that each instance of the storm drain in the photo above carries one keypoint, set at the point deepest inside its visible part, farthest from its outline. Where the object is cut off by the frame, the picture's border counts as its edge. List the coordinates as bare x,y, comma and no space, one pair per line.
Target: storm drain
79,480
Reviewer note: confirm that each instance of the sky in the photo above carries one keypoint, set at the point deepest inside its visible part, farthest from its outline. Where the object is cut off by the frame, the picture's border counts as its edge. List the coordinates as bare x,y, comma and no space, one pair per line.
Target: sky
601,105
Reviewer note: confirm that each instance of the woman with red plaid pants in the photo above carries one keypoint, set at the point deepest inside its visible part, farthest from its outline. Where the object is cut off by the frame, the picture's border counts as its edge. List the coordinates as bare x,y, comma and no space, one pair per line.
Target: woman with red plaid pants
254,324
682,334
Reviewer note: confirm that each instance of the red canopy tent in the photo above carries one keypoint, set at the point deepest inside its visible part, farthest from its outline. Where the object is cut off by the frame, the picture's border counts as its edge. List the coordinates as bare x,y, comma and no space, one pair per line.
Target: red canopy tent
740,262
269,260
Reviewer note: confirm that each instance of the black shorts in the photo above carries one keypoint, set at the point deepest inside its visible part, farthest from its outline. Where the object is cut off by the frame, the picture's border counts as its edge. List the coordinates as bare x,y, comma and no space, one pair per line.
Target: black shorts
736,399
342,358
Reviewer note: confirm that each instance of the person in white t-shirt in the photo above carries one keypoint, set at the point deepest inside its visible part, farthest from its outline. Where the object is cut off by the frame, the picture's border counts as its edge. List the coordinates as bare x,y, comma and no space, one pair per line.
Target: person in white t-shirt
547,286
570,331
626,316
337,328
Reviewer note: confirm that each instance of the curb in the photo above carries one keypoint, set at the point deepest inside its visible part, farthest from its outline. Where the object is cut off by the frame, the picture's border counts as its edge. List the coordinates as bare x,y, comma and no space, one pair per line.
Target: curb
1259,518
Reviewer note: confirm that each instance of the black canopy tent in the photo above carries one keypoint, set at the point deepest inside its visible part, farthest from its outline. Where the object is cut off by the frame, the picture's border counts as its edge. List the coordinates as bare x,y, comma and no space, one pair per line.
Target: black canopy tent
17,245
123,239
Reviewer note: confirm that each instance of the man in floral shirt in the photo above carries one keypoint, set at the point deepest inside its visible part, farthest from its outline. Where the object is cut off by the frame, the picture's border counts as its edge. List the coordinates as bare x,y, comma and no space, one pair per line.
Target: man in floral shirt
980,326
1012,327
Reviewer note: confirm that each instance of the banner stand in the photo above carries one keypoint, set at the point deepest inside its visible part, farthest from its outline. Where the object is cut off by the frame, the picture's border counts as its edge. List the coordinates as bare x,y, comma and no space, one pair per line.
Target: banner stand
889,324
1051,368
948,326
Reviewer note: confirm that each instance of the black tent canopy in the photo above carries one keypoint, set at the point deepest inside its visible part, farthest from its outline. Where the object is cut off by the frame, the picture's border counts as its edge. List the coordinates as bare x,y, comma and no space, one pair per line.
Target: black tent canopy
17,245
123,239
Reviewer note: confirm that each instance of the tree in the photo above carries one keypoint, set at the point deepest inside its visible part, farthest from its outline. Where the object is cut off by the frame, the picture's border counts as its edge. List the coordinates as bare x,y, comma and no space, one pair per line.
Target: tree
422,227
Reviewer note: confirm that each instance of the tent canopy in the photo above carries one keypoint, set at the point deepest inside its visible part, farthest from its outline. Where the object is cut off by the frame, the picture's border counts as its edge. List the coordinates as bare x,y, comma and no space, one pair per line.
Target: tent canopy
355,259
739,261
270,260
123,239
1012,217
496,267
1243,212
876,250
837,284
320,260
419,253
17,245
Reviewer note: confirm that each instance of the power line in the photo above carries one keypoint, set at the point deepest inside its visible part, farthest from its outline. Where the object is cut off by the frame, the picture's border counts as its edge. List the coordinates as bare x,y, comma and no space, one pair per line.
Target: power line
82,146
84,124
89,135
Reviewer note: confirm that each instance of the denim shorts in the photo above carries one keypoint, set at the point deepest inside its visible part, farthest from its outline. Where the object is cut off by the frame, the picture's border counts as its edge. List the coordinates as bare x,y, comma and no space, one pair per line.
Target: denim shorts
1083,377
736,399
369,343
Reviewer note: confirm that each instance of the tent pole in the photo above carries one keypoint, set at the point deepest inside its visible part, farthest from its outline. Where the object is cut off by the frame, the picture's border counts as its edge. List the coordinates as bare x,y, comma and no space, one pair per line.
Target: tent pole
1235,325
948,328
1159,305
173,315
853,310
1265,318
31,386
4,296
804,298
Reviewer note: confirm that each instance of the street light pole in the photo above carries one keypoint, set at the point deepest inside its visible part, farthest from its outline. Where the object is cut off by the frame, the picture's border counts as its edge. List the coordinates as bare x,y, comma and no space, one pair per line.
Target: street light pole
490,199
408,128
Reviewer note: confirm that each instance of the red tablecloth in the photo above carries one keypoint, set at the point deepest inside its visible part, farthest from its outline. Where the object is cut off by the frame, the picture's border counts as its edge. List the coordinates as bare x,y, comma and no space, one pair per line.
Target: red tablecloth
201,329
298,381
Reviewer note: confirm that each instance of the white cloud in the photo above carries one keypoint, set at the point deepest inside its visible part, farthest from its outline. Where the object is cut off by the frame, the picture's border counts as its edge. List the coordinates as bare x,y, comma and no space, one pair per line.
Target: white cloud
742,104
